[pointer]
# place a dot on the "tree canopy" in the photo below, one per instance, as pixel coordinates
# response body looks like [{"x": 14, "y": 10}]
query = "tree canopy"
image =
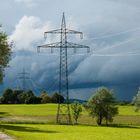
[
  {"x": 57, "y": 98},
  {"x": 5, "y": 52},
  {"x": 101, "y": 105}
]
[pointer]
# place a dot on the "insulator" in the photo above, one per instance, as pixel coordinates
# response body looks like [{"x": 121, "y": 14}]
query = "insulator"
[
  {"x": 81, "y": 35},
  {"x": 45, "y": 35},
  {"x": 74, "y": 50},
  {"x": 38, "y": 49},
  {"x": 88, "y": 50},
  {"x": 51, "y": 50}
]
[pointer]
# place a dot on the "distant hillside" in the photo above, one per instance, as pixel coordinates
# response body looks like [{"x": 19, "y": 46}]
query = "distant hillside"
[{"x": 78, "y": 100}]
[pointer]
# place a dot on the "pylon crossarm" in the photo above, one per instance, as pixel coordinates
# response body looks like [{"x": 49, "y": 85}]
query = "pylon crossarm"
[
  {"x": 51, "y": 45},
  {"x": 73, "y": 31},
  {"x": 74, "y": 45},
  {"x": 57, "y": 31},
  {"x": 23, "y": 77},
  {"x": 77, "y": 46},
  {"x": 24, "y": 73}
]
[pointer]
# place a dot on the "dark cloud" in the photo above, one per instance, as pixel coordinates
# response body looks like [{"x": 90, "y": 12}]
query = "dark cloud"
[{"x": 111, "y": 30}]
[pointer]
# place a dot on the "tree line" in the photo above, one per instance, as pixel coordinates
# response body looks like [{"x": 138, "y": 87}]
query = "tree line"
[
  {"x": 28, "y": 97},
  {"x": 102, "y": 105}
]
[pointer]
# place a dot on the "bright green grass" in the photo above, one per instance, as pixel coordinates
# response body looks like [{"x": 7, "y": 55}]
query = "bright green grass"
[
  {"x": 64, "y": 132},
  {"x": 128, "y": 110},
  {"x": 49, "y": 109},
  {"x": 47, "y": 112},
  {"x": 28, "y": 110}
]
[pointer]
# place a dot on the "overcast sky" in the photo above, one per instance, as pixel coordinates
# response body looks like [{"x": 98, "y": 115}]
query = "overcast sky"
[{"x": 111, "y": 28}]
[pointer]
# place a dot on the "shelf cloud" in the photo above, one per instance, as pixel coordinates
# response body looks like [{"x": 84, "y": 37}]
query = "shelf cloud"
[{"x": 111, "y": 30}]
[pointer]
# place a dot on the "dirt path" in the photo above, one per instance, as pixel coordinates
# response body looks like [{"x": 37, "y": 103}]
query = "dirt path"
[{"x": 4, "y": 136}]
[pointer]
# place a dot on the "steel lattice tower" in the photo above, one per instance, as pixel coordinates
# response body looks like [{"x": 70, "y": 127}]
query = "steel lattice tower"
[
  {"x": 23, "y": 76},
  {"x": 63, "y": 111}
]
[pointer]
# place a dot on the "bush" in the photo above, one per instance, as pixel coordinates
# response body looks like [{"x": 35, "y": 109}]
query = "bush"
[{"x": 76, "y": 110}]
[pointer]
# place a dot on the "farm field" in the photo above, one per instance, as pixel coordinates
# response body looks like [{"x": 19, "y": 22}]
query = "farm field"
[
  {"x": 45, "y": 113},
  {"x": 50, "y": 109},
  {"x": 64, "y": 132},
  {"x": 27, "y": 122}
]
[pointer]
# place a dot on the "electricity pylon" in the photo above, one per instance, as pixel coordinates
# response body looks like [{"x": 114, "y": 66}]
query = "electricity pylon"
[
  {"x": 23, "y": 76},
  {"x": 63, "y": 111}
]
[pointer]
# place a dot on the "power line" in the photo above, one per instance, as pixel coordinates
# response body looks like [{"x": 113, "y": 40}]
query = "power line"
[
  {"x": 116, "y": 34},
  {"x": 119, "y": 44},
  {"x": 116, "y": 55}
]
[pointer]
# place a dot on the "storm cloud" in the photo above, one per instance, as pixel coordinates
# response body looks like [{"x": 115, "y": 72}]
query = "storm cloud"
[{"x": 111, "y": 30}]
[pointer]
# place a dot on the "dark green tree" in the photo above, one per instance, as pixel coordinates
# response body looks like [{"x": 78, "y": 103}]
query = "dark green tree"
[
  {"x": 101, "y": 105},
  {"x": 8, "y": 97},
  {"x": 16, "y": 94},
  {"x": 76, "y": 110},
  {"x": 26, "y": 97},
  {"x": 5, "y": 53},
  {"x": 57, "y": 98},
  {"x": 19, "y": 97}
]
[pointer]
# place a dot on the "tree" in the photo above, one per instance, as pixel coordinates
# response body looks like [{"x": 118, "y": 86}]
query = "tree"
[
  {"x": 26, "y": 97},
  {"x": 8, "y": 96},
  {"x": 35, "y": 100},
  {"x": 136, "y": 101},
  {"x": 16, "y": 95},
  {"x": 45, "y": 98},
  {"x": 76, "y": 110},
  {"x": 5, "y": 53},
  {"x": 57, "y": 98},
  {"x": 101, "y": 105},
  {"x": 19, "y": 97}
]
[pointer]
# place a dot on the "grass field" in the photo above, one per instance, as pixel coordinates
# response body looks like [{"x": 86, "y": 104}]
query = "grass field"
[
  {"x": 50, "y": 109},
  {"x": 37, "y": 122},
  {"x": 45, "y": 113},
  {"x": 64, "y": 132}
]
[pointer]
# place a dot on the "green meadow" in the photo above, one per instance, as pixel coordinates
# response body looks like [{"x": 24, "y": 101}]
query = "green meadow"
[
  {"x": 50, "y": 109},
  {"x": 64, "y": 132},
  {"x": 37, "y": 122}
]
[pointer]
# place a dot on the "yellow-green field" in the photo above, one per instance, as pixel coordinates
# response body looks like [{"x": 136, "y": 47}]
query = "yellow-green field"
[
  {"x": 50, "y": 109},
  {"x": 64, "y": 132},
  {"x": 37, "y": 122}
]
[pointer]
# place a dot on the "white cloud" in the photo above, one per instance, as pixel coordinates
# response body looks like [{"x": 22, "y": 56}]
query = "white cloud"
[{"x": 28, "y": 32}]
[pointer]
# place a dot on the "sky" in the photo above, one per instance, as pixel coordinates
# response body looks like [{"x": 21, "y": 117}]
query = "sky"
[{"x": 111, "y": 29}]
